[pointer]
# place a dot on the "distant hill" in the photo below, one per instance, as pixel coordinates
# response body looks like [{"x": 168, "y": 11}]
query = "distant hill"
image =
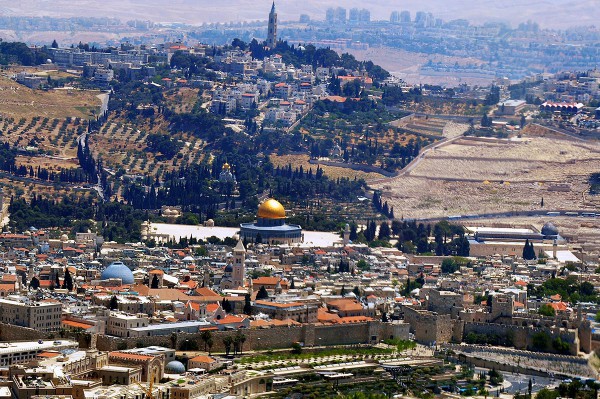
[{"x": 548, "y": 13}]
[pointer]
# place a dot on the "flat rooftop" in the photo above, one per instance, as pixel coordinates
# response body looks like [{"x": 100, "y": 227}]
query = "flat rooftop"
[
  {"x": 12, "y": 347},
  {"x": 512, "y": 103},
  {"x": 165, "y": 326},
  {"x": 116, "y": 368},
  {"x": 316, "y": 238},
  {"x": 504, "y": 230},
  {"x": 564, "y": 256}
]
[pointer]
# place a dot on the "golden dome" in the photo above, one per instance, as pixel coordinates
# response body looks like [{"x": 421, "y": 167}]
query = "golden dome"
[
  {"x": 271, "y": 209},
  {"x": 226, "y": 166}
]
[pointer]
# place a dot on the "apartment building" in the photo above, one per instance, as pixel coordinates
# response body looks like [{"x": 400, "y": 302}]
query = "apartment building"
[{"x": 42, "y": 316}]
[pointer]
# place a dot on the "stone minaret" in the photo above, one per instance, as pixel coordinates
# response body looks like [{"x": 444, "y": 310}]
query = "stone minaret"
[
  {"x": 346, "y": 236},
  {"x": 272, "y": 35}
]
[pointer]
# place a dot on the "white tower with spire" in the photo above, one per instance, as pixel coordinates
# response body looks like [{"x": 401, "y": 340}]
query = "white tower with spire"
[{"x": 272, "y": 35}]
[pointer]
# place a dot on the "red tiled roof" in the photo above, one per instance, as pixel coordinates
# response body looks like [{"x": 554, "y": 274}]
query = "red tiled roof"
[
  {"x": 336, "y": 99},
  {"x": 124, "y": 356},
  {"x": 212, "y": 307},
  {"x": 8, "y": 287},
  {"x": 205, "y": 291},
  {"x": 231, "y": 319},
  {"x": 77, "y": 324},
  {"x": 325, "y": 317},
  {"x": 345, "y": 305},
  {"x": 558, "y": 306}
]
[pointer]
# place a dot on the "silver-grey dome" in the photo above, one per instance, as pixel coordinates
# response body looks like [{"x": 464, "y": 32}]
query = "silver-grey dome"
[
  {"x": 175, "y": 367},
  {"x": 549, "y": 230}
]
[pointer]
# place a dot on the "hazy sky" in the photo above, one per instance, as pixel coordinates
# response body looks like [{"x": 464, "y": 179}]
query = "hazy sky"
[{"x": 549, "y": 13}]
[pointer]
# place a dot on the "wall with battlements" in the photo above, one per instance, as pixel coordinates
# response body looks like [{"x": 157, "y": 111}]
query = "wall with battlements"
[{"x": 272, "y": 338}]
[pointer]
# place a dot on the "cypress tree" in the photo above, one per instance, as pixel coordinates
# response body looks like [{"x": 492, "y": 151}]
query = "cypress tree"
[
  {"x": 114, "y": 303},
  {"x": 262, "y": 293},
  {"x": 68, "y": 281},
  {"x": 155, "y": 282},
  {"x": 247, "y": 305}
]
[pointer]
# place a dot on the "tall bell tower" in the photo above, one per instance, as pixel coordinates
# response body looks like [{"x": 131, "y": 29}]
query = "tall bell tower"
[
  {"x": 239, "y": 265},
  {"x": 272, "y": 35}
]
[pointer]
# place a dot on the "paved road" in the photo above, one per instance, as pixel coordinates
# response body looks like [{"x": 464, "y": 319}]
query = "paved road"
[
  {"x": 515, "y": 382},
  {"x": 539, "y": 212},
  {"x": 104, "y": 97}
]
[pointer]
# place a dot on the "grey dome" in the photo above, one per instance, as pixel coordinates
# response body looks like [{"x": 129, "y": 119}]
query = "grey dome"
[
  {"x": 175, "y": 367},
  {"x": 118, "y": 270},
  {"x": 549, "y": 230}
]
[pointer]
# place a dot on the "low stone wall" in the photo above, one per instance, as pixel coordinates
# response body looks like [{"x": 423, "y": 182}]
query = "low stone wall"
[
  {"x": 355, "y": 166},
  {"x": 502, "y": 366},
  {"x": 550, "y": 357},
  {"x": 514, "y": 360}
]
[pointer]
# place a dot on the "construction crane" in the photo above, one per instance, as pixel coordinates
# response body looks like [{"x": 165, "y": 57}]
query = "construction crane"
[{"x": 147, "y": 389}]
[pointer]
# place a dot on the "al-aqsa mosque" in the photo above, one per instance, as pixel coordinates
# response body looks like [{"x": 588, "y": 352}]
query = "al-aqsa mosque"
[{"x": 270, "y": 226}]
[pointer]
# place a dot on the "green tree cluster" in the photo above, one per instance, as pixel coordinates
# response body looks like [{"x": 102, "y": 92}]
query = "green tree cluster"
[{"x": 547, "y": 310}]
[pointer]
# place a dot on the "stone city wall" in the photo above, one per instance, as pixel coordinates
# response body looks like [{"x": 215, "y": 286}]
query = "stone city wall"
[
  {"x": 9, "y": 332},
  {"x": 523, "y": 336},
  {"x": 429, "y": 327},
  {"x": 268, "y": 338}
]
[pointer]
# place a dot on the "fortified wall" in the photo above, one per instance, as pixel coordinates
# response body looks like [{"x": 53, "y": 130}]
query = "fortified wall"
[
  {"x": 271, "y": 338},
  {"x": 429, "y": 327},
  {"x": 523, "y": 337},
  {"x": 9, "y": 332}
]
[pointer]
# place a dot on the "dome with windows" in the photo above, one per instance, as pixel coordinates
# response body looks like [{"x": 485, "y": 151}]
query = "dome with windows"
[
  {"x": 271, "y": 209},
  {"x": 118, "y": 270},
  {"x": 174, "y": 367}
]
